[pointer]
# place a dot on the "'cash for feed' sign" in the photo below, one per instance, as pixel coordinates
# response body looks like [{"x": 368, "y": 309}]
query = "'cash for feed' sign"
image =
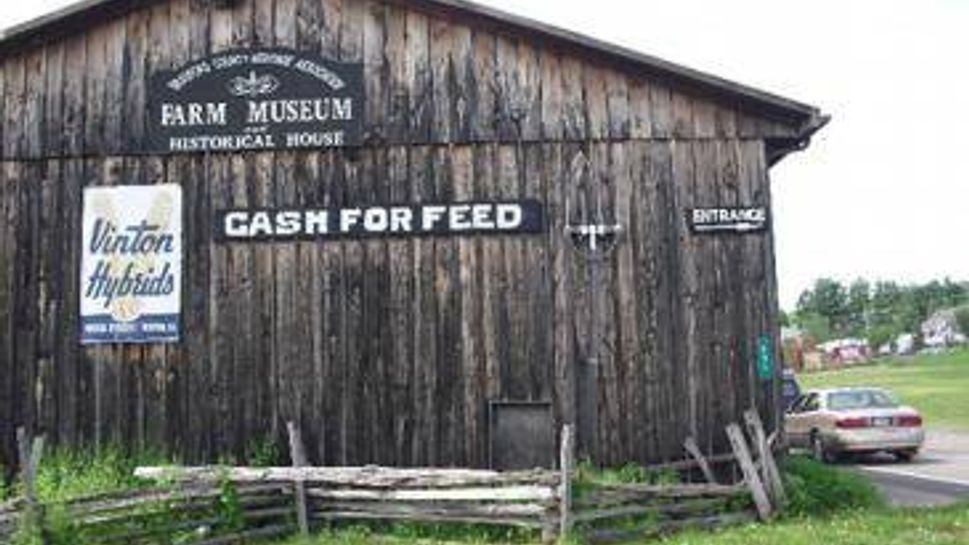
[{"x": 131, "y": 266}]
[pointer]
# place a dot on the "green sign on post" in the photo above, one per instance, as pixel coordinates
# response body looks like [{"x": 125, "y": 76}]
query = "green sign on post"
[{"x": 765, "y": 358}]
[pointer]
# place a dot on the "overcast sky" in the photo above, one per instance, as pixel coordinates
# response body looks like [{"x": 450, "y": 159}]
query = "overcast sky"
[{"x": 884, "y": 191}]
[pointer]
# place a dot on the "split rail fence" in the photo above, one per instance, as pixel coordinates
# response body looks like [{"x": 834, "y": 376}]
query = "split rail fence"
[{"x": 222, "y": 505}]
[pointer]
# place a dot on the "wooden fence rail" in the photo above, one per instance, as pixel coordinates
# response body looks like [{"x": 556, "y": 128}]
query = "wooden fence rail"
[{"x": 268, "y": 502}]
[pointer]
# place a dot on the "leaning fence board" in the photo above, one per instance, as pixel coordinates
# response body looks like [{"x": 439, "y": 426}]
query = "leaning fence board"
[
  {"x": 666, "y": 528},
  {"x": 150, "y": 510},
  {"x": 511, "y": 510},
  {"x": 668, "y": 510},
  {"x": 509, "y": 493},
  {"x": 362, "y": 477},
  {"x": 694, "y": 451},
  {"x": 751, "y": 477},
  {"x": 632, "y": 492},
  {"x": 351, "y": 515},
  {"x": 685, "y": 465},
  {"x": 772, "y": 475},
  {"x": 602, "y": 499},
  {"x": 128, "y": 500}
]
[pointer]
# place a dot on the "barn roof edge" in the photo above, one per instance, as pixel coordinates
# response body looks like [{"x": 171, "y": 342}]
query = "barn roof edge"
[{"x": 804, "y": 118}]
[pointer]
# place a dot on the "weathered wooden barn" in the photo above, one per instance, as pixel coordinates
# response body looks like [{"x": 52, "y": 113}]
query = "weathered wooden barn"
[{"x": 397, "y": 349}]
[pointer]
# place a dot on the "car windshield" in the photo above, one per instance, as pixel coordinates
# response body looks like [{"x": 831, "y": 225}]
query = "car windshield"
[{"x": 861, "y": 399}]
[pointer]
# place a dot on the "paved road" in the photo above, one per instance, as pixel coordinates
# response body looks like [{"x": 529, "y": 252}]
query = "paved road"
[{"x": 939, "y": 476}]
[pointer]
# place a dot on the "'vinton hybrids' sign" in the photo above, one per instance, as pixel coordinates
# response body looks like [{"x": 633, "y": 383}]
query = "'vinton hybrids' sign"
[
  {"x": 259, "y": 99},
  {"x": 131, "y": 266}
]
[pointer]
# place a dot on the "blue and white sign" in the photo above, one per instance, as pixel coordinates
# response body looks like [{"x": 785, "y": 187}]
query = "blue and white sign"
[{"x": 131, "y": 267}]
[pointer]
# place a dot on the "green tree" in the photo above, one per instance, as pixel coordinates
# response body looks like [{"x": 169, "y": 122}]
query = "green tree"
[
  {"x": 881, "y": 335},
  {"x": 880, "y": 311},
  {"x": 884, "y": 304},
  {"x": 955, "y": 294},
  {"x": 857, "y": 306},
  {"x": 815, "y": 326},
  {"x": 962, "y": 316},
  {"x": 784, "y": 319},
  {"x": 828, "y": 299}
]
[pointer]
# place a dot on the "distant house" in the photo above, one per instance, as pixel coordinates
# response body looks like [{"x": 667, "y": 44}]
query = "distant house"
[
  {"x": 942, "y": 330},
  {"x": 905, "y": 344},
  {"x": 846, "y": 351}
]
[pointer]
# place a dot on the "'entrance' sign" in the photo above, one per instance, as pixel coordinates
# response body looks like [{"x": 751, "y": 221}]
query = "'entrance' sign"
[
  {"x": 728, "y": 220},
  {"x": 457, "y": 219},
  {"x": 260, "y": 99},
  {"x": 131, "y": 266}
]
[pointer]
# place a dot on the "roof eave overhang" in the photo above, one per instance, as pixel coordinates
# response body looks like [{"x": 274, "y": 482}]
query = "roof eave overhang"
[
  {"x": 63, "y": 22},
  {"x": 780, "y": 148}
]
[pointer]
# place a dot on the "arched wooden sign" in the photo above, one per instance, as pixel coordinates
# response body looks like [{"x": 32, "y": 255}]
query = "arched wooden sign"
[{"x": 259, "y": 99}]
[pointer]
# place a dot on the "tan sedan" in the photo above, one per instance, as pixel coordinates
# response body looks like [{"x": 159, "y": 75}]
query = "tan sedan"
[{"x": 832, "y": 423}]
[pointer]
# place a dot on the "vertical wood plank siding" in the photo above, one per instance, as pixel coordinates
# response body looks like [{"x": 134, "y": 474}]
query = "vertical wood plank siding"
[{"x": 385, "y": 351}]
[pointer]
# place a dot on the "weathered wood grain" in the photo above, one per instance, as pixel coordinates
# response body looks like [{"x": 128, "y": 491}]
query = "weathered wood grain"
[
  {"x": 661, "y": 108},
  {"x": 53, "y": 121},
  {"x": 688, "y": 352},
  {"x": 386, "y": 351},
  {"x": 482, "y": 101},
  {"x": 33, "y": 112},
  {"x": 596, "y": 93},
  {"x": 751, "y": 477},
  {"x": 14, "y": 100},
  {"x": 709, "y": 399},
  {"x": 629, "y": 332}
]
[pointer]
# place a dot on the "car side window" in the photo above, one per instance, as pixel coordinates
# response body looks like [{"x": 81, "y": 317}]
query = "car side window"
[
  {"x": 798, "y": 404},
  {"x": 812, "y": 403}
]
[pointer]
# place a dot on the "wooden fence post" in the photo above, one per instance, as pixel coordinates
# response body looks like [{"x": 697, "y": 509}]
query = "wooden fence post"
[
  {"x": 769, "y": 469},
  {"x": 567, "y": 463},
  {"x": 297, "y": 454},
  {"x": 30, "y": 455},
  {"x": 739, "y": 444},
  {"x": 694, "y": 450}
]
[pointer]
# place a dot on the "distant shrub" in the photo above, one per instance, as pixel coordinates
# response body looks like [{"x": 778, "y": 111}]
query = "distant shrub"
[
  {"x": 880, "y": 336},
  {"x": 815, "y": 489},
  {"x": 587, "y": 473},
  {"x": 65, "y": 474}
]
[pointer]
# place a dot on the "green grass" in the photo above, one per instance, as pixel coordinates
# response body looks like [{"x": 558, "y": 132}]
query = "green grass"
[
  {"x": 416, "y": 534},
  {"x": 844, "y": 510},
  {"x": 936, "y": 385},
  {"x": 815, "y": 489},
  {"x": 66, "y": 474},
  {"x": 948, "y": 526}
]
